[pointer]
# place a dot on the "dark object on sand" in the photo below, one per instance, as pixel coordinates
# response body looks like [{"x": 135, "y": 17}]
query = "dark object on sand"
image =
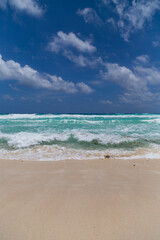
[{"x": 107, "y": 156}]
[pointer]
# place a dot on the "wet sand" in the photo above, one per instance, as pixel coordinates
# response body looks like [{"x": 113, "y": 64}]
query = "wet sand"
[{"x": 80, "y": 200}]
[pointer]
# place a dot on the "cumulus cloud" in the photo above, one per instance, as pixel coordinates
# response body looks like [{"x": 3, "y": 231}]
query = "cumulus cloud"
[
  {"x": 27, "y": 76},
  {"x": 133, "y": 15},
  {"x": 30, "y": 7},
  {"x": 142, "y": 59},
  {"x": 135, "y": 82},
  {"x": 121, "y": 75},
  {"x": 90, "y": 16},
  {"x": 65, "y": 41},
  {"x": 81, "y": 60},
  {"x": 150, "y": 74},
  {"x": 84, "y": 88},
  {"x": 74, "y": 49}
]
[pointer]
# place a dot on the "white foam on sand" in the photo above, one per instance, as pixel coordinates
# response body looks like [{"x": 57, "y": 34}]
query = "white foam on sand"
[
  {"x": 50, "y": 153},
  {"x": 57, "y": 153}
]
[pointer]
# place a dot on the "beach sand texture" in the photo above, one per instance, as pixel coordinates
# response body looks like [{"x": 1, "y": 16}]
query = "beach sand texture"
[{"x": 80, "y": 200}]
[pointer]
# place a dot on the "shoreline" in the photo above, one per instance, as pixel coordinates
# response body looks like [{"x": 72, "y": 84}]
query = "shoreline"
[{"x": 80, "y": 199}]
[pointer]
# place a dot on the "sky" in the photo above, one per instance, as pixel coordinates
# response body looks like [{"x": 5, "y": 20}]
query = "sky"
[{"x": 83, "y": 56}]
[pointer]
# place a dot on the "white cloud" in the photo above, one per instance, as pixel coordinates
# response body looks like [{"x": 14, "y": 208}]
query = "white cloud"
[
  {"x": 121, "y": 75},
  {"x": 142, "y": 59},
  {"x": 84, "y": 88},
  {"x": 27, "y": 76},
  {"x": 70, "y": 40},
  {"x": 90, "y": 16},
  {"x": 150, "y": 74},
  {"x": 81, "y": 60},
  {"x": 74, "y": 49},
  {"x": 133, "y": 81},
  {"x": 31, "y": 7},
  {"x": 134, "y": 15}
]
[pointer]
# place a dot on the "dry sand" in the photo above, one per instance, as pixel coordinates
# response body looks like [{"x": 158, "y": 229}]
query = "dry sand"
[{"x": 80, "y": 200}]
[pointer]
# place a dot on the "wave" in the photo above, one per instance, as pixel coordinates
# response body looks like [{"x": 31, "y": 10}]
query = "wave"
[
  {"x": 73, "y": 139},
  {"x": 43, "y": 116},
  {"x": 157, "y": 120}
]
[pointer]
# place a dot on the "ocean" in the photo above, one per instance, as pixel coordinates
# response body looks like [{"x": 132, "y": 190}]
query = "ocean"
[{"x": 54, "y": 137}]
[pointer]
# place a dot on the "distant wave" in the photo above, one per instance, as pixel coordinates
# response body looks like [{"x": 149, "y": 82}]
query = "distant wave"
[{"x": 42, "y": 116}]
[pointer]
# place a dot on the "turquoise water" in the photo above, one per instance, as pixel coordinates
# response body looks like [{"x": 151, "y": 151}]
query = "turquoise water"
[{"x": 67, "y": 136}]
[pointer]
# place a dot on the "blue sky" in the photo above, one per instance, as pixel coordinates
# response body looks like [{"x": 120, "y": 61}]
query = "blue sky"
[{"x": 99, "y": 56}]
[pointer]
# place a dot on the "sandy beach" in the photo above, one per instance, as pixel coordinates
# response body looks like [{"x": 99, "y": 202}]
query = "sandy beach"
[{"x": 68, "y": 200}]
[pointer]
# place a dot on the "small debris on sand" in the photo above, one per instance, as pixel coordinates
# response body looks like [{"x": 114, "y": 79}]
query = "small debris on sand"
[{"x": 107, "y": 156}]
